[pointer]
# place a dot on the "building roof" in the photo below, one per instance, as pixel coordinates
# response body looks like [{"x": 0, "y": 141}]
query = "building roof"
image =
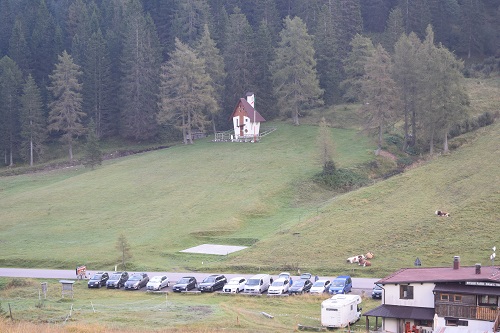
[
  {"x": 462, "y": 288},
  {"x": 249, "y": 110},
  {"x": 398, "y": 311},
  {"x": 442, "y": 274}
]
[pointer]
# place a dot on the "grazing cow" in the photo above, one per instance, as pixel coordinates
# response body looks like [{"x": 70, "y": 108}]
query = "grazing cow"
[
  {"x": 364, "y": 262},
  {"x": 354, "y": 259},
  {"x": 442, "y": 214},
  {"x": 369, "y": 255}
]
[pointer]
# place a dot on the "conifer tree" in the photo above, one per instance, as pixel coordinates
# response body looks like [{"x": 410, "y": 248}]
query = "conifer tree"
[
  {"x": 395, "y": 28},
  {"x": 406, "y": 75},
  {"x": 97, "y": 85},
  {"x": 124, "y": 248},
  {"x": 10, "y": 90},
  {"x": 93, "y": 153},
  {"x": 294, "y": 70},
  {"x": 140, "y": 65},
  {"x": 354, "y": 67},
  {"x": 443, "y": 97},
  {"x": 190, "y": 19},
  {"x": 325, "y": 45},
  {"x": 240, "y": 66},
  {"x": 381, "y": 95},
  {"x": 33, "y": 123},
  {"x": 326, "y": 148},
  {"x": 264, "y": 56},
  {"x": 66, "y": 114},
  {"x": 43, "y": 42},
  {"x": 185, "y": 92},
  {"x": 214, "y": 67},
  {"x": 18, "y": 47}
]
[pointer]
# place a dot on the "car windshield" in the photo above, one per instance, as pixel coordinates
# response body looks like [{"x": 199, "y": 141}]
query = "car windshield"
[
  {"x": 156, "y": 279},
  {"x": 253, "y": 282},
  {"x": 338, "y": 283},
  {"x": 209, "y": 279},
  {"x": 298, "y": 284},
  {"x": 319, "y": 284},
  {"x": 115, "y": 277},
  {"x": 234, "y": 281},
  {"x": 184, "y": 280},
  {"x": 96, "y": 277},
  {"x": 135, "y": 278},
  {"x": 278, "y": 283}
]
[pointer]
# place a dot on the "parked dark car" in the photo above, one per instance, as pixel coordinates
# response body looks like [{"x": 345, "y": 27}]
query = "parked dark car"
[
  {"x": 137, "y": 281},
  {"x": 212, "y": 283},
  {"x": 117, "y": 280},
  {"x": 301, "y": 286},
  {"x": 185, "y": 284},
  {"x": 98, "y": 280},
  {"x": 377, "y": 292}
]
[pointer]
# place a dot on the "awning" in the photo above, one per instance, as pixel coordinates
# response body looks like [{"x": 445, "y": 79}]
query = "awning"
[{"x": 401, "y": 312}]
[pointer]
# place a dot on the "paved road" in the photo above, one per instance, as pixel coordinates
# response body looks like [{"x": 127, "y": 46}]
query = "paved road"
[{"x": 359, "y": 284}]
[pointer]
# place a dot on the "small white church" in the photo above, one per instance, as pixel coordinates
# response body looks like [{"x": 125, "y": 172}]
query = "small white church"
[{"x": 246, "y": 120}]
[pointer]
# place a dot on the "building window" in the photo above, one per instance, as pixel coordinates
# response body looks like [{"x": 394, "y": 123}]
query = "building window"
[
  {"x": 445, "y": 297},
  {"x": 488, "y": 300},
  {"x": 406, "y": 292},
  {"x": 456, "y": 322},
  {"x": 427, "y": 323},
  {"x": 457, "y": 298}
]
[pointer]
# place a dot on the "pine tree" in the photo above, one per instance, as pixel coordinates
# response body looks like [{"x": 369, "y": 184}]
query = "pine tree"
[
  {"x": 66, "y": 114},
  {"x": 190, "y": 19},
  {"x": 33, "y": 123},
  {"x": 18, "y": 47},
  {"x": 43, "y": 42},
  {"x": 354, "y": 67},
  {"x": 93, "y": 153},
  {"x": 325, "y": 45},
  {"x": 185, "y": 92},
  {"x": 405, "y": 73},
  {"x": 10, "y": 90},
  {"x": 294, "y": 70},
  {"x": 141, "y": 62},
  {"x": 472, "y": 32},
  {"x": 381, "y": 96},
  {"x": 264, "y": 56},
  {"x": 240, "y": 66},
  {"x": 416, "y": 15},
  {"x": 214, "y": 66},
  {"x": 326, "y": 148},
  {"x": 443, "y": 99},
  {"x": 124, "y": 248},
  {"x": 395, "y": 28},
  {"x": 97, "y": 85}
]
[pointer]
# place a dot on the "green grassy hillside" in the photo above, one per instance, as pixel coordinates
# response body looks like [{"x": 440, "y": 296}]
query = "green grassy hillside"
[
  {"x": 258, "y": 195},
  {"x": 163, "y": 201}
]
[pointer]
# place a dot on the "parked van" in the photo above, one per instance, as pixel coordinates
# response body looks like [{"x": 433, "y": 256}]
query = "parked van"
[
  {"x": 341, "y": 285},
  {"x": 257, "y": 284},
  {"x": 340, "y": 310}
]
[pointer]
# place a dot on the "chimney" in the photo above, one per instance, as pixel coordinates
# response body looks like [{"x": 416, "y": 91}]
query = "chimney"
[
  {"x": 478, "y": 268},
  {"x": 456, "y": 262},
  {"x": 251, "y": 99}
]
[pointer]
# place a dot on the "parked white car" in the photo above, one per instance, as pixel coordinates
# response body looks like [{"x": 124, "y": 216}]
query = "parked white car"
[
  {"x": 235, "y": 285},
  {"x": 320, "y": 286},
  {"x": 279, "y": 286},
  {"x": 158, "y": 282}
]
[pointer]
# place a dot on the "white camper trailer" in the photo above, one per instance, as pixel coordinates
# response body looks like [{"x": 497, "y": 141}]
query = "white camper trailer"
[{"x": 340, "y": 310}]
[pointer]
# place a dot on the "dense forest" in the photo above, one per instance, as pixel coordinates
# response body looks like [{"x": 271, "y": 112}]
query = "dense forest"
[{"x": 146, "y": 70}]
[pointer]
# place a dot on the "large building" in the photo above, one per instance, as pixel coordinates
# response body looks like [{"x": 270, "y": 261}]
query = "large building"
[{"x": 451, "y": 299}]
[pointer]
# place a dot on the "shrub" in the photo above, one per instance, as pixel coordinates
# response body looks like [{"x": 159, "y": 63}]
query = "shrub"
[
  {"x": 485, "y": 119},
  {"x": 342, "y": 179}
]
